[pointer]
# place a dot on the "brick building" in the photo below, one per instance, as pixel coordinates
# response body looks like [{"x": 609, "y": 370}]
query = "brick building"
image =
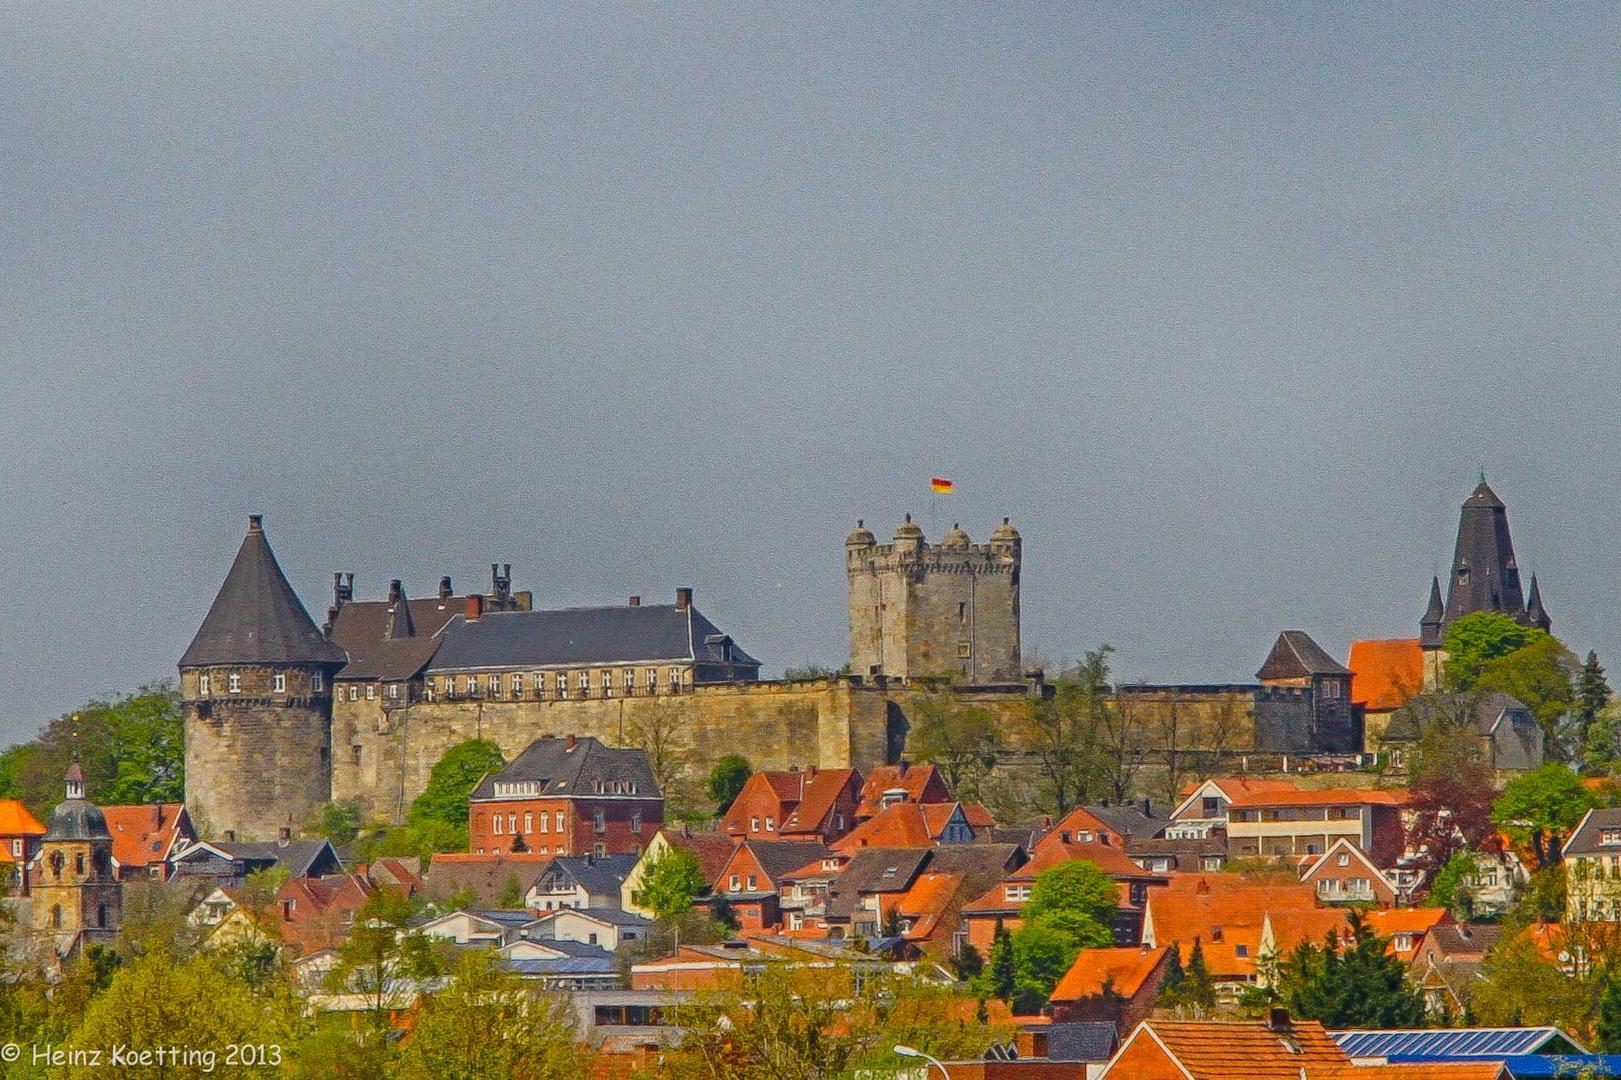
[
  {"x": 810, "y": 804},
  {"x": 568, "y": 796}
]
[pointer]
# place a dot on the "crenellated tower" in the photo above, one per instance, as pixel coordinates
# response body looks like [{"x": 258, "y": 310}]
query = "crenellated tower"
[
  {"x": 949, "y": 609},
  {"x": 256, "y": 693}
]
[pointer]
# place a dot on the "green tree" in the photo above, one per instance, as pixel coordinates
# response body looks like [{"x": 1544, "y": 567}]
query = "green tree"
[
  {"x": 1453, "y": 887},
  {"x": 1540, "y": 808},
  {"x": 511, "y": 898},
  {"x": 1595, "y": 727},
  {"x": 156, "y": 1002},
  {"x": 486, "y": 1025},
  {"x": 1538, "y": 674},
  {"x": 968, "y": 964},
  {"x": 1607, "y": 1020},
  {"x": 1543, "y": 898},
  {"x": 1199, "y": 988},
  {"x": 1451, "y": 785},
  {"x": 726, "y": 780},
  {"x": 451, "y": 783},
  {"x": 1173, "y": 985},
  {"x": 1518, "y": 985},
  {"x": 384, "y": 958},
  {"x": 1002, "y": 973},
  {"x": 1474, "y": 640},
  {"x": 672, "y": 884},
  {"x": 962, "y": 741},
  {"x": 1350, "y": 985},
  {"x": 1072, "y": 907},
  {"x": 338, "y": 821},
  {"x": 131, "y": 748},
  {"x": 1071, "y": 737}
]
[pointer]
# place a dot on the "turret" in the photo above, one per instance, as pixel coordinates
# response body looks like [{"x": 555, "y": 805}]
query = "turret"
[
  {"x": 1535, "y": 614},
  {"x": 75, "y": 892},
  {"x": 256, "y": 687},
  {"x": 1429, "y": 627},
  {"x": 908, "y": 538}
]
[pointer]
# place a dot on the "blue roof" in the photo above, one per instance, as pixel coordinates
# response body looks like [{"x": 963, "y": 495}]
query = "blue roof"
[
  {"x": 1528, "y": 1066},
  {"x": 569, "y": 965},
  {"x": 1450, "y": 1043}
]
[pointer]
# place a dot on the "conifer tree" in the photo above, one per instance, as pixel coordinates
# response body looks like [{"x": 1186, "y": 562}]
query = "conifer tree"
[
  {"x": 1592, "y": 696},
  {"x": 1199, "y": 988},
  {"x": 1003, "y": 972},
  {"x": 1173, "y": 987},
  {"x": 1607, "y": 1022}
]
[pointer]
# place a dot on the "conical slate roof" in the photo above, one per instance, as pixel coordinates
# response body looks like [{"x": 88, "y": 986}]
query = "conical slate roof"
[
  {"x": 1485, "y": 576},
  {"x": 257, "y": 618}
]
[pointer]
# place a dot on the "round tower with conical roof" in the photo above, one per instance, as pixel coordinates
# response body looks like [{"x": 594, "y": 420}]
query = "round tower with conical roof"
[
  {"x": 75, "y": 892},
  {"x": 947, "y": 609},
  {"x": 256, "y": 686}
]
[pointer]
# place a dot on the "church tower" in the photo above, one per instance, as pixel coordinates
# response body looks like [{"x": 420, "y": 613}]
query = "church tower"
[
  {"x": 1485, "y": 577},
  {"x": 76, "y": 896},
  {"x": 948, "y": 609},
  {"x": 255, "y": 688}
]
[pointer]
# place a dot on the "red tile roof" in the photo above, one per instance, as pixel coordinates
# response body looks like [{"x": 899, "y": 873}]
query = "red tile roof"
[
  {"x": 914, "y": 781},
  {"x": 1209, "y": 1050},
  {"x": 1384, "y": 674},
  {"x": 1124, "y": 970},
  {"x": 1323, "y": 797},
  {"x": 15, "y": 820},
  {"x": 141, "y": 834},
  {"x": 1412, "y": 1070},
  {"x": 711, "y": 849}
]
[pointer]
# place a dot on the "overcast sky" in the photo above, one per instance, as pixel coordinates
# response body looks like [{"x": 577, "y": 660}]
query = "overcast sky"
[{"x": 1225, "y": 308}]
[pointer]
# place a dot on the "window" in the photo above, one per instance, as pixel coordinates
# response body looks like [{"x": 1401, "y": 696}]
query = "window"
[
  {"x": 964, "y": 650},
  {"x": 317, "y": 682},
  {"x": 675, "y": 678},
  {"x": 1345, "y": 859},
  {"x": 543, "y": 821},
  {"x": 636, "y": 821},
  {"x": 517, "y": 684},
  {"x": 354, "y": 692},
  {"x": 770, "y": 823},
  {"x": 512, "y": 824},
  {"x": 470, "y": 684},
  {"x": 1016, "y": 893},
  {"x": 628, "y": 678},
  {"x": 607, "y": 683},
  {"x": 1212, "y": 806},
  {"x": 562, "y": 684},
  {"x": 754, "y": 824},
  {"x": 539, "y": 682},
  {"x": 236, "y": 683},
  {"x": 733, "y": 883},
  {"x": 394, "y": 691},
  {"x": 278, "y": 682},
  {"x": 1609, "y": 836},
  {"x": 528, "y": 821},
  {"x": 354, "y": 754},
  {"x": 754, "y": 883},
  {"x": 371, "y": 691},
  {"x": 600, "y": 821},
  {"x": 495, "y": 824},
  {"x": 1241, "y": 950},
  {"x": 584, "y": 683},
  {"x": 558, "y": 817},
  {"x": 962, "y": 613},
  {"x": 652, "y": 680},
  {"x": 202, "y": 685}
]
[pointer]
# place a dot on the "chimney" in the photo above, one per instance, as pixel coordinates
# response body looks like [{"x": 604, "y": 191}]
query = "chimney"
[
  {"x": 900, "y": 767},
  {"x": 635, "y": 601},
  {"x": 1147, "y": 806},
  {"x": 571, "y": 740},
  {"x": 500, "y": 582},
  {"x": 445, "y": 591},
  {"x": 1278, "y": 1020},
  {"x": 683, "y": 599},
  {"x": 395, "y": 591},
  {"x": 343, "y": 588},
  {"x": 256, "y": 523},
  {"x": 475, "y": 607}
]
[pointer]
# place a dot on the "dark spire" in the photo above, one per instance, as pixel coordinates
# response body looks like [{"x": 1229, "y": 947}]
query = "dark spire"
[
  {"x": 1535, "y": 614},
  {"x": 257, "y": 618},
  {"x": 1485, "y": 576},
  {"x": 1430, "y": 627},
  {"x": 399, "y": 613}
]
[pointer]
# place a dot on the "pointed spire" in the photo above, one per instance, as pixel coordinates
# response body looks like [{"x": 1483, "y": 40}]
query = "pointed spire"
[
  {"x": 1429, "y": 628},
  {"x": 257, "y": 618},
  {"x": 1535, "y": 614},
  {"x": 1485, "y": 575},
  {"x": 73, "y": 779},
  {"x": 399, "y": 613}
]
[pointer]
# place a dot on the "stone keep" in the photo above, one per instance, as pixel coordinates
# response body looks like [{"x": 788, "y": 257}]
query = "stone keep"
[
  {"x": 946, "y": 609},
  {"x": 255, "y": 689}
]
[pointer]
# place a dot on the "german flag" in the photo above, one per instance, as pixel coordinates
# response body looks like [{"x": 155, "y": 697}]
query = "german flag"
[{"x": 941, "y": 486}]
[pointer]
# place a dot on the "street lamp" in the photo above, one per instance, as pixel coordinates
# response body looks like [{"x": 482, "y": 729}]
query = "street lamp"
[{"x": 908, "y": 1052}]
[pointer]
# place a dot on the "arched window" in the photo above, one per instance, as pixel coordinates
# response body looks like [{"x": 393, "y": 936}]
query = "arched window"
[{"x": 78, "y": 863}]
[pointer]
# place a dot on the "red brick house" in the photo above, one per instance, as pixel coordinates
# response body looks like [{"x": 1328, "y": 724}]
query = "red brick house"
[
  {"x": 1276, "y": 1049},
  {"x": 755, "y": 876},
  {"x": 1345, "y": 875},
  {"x": 146, "y": 837},
  {"x": 570, "y": 796},
  {"x": 816, "y": 804},
  {"x": 1004, "y": 902}
]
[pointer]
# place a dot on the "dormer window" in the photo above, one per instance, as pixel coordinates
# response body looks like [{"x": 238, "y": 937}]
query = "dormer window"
[{"x": 1609, "y": 837}]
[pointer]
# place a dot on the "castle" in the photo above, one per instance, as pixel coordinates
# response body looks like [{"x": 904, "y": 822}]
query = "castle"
[{"x": 282, "y": 716}]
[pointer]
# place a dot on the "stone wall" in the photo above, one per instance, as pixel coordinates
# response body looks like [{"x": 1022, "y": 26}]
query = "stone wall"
[
  {"x": 383, "y": 757},
  {"x": 256, "y": 762}
]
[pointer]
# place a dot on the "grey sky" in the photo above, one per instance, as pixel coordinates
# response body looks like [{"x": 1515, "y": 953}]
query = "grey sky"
[{"x": 1224, "y": 307}]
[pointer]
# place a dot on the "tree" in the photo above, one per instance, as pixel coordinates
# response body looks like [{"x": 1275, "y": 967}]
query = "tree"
[
  {"x": 511, "y": 898},
  {"x": 1003, "y": 972},
  {"x": 672, "y": 883},
  {"x": 962, "y": 741},
  {"x": 1065, "y": 735},
  {"x": 726, "y": 780},
  {"x": 1543, "y": 898},
  {"x": 486, "y": 1025},
  {"x": 1451, "y": 803},
  {"x": 968, "y": 964},
  {"x": 131, "y": 748},
  {"x": 657, "y": 732},
  {"x": 450, "y": 785},
  {"x": 338, "y": 821},
  {"x": 1597, "y": 737},
  {"x": 157, "y": 1002},
  {"x": 1540, "y": 807},
  {"x": 1173, "y": 984},
  {"x": 1452, "y": 887},
  {"x": 1474, "y": 640},
  {"x": 1538, "y": 674},
  {"x": 1518, "y": 985},
  {"x": 383, "y": 959},
  {"x": 1072, "y": 907},
  {"x": 1350, "y": 985},
  {"x": 1607, "y": 1021},
  {"x": 1200, "y": 988}
]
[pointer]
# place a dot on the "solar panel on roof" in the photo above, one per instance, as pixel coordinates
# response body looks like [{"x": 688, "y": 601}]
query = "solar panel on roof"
[{"x": 1449, "y": 1043}]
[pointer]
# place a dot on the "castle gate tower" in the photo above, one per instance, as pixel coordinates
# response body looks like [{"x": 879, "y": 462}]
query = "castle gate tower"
[
  {"x": 255, "y": 688},
  {"x": 950, "y": 608}
]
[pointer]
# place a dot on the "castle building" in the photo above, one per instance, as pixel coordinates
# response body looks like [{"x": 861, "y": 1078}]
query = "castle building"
[
  {"x": 256, "y": 696},
  {"x": 1485, "y": 577},
  {"x": 77, "y": 898},
  {"x": 947, "y": 609},
  {"x": 567, "y": 796}
]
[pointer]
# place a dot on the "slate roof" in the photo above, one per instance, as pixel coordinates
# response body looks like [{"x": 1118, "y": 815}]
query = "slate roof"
[
  {"x": 586, "y": 635},
  {"x": 1485, "y": 575},
  {"x": 778, "y": 858},
  {"x": 562, "y": 770},
  {"x": 1471, "y": 940},
  {"x": 363, "y": 622},
  {"x": 485, "y": 875},
  {"x": 1585, "y": 840},
  {"x": 611, "y": 916},
  {"x": 298, "y": 856},
  {"x": 874, "y": 870},
  {"x": 256, "y": 618},
  {"x": 1085, "y": 1040},
  {"x": 1131, "y": 819},
  {"x": 390, "y": 660},
  {"x": 711, "y": 849},
  {"x": 596, "y": 874},
  {"x": 1295, "y": 655},
  {"x": 568, "y": 965},
  {"x": 1485, "y": 709}
]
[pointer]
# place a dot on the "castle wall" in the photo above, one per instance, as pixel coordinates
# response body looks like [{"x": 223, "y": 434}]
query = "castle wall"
[{"x": 383, "y": 758}]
